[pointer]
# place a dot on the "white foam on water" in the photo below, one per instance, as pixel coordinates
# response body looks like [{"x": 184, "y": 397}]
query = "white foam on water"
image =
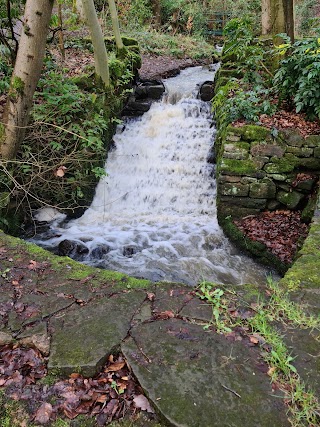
[{"x": 158, "y": 197}]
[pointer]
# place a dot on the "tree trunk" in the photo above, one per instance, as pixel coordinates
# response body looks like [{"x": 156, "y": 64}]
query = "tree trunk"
[
  {"x": 289, "y": 18},
  {"x": 273, "y": 17},
  {"x": 115, "y": 24},
  {"x": 61, "y": 40},
  {"x": 25, "y": 75},
  {"x": 156, "y": 10},
  {"x": 99, "y": 47},
  {"x": 265, "y": 17}
]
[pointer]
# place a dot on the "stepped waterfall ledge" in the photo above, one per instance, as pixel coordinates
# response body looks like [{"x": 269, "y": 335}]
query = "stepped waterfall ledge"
[{"x": 154, "y": 213}]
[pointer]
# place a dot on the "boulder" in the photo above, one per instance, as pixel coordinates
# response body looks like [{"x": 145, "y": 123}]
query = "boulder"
[
  {"x": 206, "y": 91},
  {"x": 73, "y": 249}
]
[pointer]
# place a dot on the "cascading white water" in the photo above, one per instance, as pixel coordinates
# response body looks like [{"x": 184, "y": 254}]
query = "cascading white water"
[{"x": 155, "y": 210}]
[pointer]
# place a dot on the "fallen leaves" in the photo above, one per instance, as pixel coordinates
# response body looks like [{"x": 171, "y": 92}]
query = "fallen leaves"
[
  {"x": 163, "y": 315},
  {"x": 20, "y": 366},
  {"x": 60, "y": 172},
  {"x": 291, "y": 120},
  {"x": 43, "y": 414},
  {"x": 279, "y": 231},
  {"x": 110, "y": 395},
  {"x": 141, "y": 402},
  {"x": 286, "y": 120}
]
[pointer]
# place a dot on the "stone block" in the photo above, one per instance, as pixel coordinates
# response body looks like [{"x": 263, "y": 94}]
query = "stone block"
[
  {"x": 237, "y": 167},
  {"x": 300, "y": 151},
  {"x": 227, "y": 210},
  {"x": 245, "y": 202},
  {"x": 317, "y": 152},
  {"x": 260, "y": 161},
  {"x": 251, "y": 132},
  {"x": 269, "y": 150},
  {"x": 238, "y": 151},
  {"x": 283, "y": 165},
  {"x": 289, "y": 199},
  {"x": 236, "y": 155},
  {"x": 248, "y": 180},
  {"x": 231, "y": 137},
  {"x": 313, "y": 141},
  {"x": 263, "y": 189},
  {"x": 277, "y": 177},
  {"x": 234, "y": 189},
  {"x": 273, "y": 205},
  {"x": 292, "y": 137},
  {"x": 310, "y": 163},
  {"x": 228, "y": 178}
]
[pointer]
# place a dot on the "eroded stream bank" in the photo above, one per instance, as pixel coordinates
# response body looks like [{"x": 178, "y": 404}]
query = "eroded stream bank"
[{"x": 154, "y": 213}]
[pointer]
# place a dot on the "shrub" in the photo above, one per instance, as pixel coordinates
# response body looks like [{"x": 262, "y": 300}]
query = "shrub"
[{"x": 297, "y": 80}]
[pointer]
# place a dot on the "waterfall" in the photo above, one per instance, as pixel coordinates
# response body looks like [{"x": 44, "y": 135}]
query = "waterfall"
[{"x": 154, "y": 213}]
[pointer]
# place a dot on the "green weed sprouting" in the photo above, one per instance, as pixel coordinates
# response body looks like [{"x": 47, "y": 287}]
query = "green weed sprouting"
[
  {"x": 304, "y": 407},
  {"x": 214, "y": 296}
]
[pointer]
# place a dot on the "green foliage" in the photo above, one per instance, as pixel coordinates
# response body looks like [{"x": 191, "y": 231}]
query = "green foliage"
[
  {"x": 249, "y": 52},
  {"x": 63, "y": 153},
  {"x": 306, "y": 17},
  {"x": 297, "y": 80},
  {"x": 249, "y": 97},
  {"x": 9, "y": 13},
  {"x": 5, "y": 69},
  {"x": 209, "y": 292},
  {"x": 180, "y": 46},
  {"x": 134, "y": 13},
  {"x": 184, "y": 17},
  {"x": 245, "y": 9}
]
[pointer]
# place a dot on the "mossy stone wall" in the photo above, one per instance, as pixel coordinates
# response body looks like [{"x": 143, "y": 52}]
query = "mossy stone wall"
[{"x": 257, "y": 171}]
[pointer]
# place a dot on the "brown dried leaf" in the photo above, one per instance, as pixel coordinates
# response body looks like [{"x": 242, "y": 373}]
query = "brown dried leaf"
[
  {"x": 141, "y": 402},
  {"x": 164, "y": 315},
  {"x": 254, "y": 340},
  {"x": 43, "y": 414},
  {"x": 60, "y": 172},
  {"x": 115, "y": 367}
]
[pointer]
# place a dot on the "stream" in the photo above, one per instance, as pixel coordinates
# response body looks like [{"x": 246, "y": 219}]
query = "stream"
[{"x": 154, "y": 213}]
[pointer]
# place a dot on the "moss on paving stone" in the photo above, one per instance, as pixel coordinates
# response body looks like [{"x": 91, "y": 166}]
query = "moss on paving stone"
[
  {"x": 84, "y": 337},
  {"x": 69, "y": 269},
  {"x": 186, "y": 377}
]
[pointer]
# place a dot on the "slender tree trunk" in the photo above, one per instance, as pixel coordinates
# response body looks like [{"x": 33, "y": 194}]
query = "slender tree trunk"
[
  {"x": 99, "y": 47},
  {"x": 265, "y": 17},
  {"x": 25, "y": 75},
  {"x": 115, "y": 24},
  {"x": 61, "y": 41},
  {"x": 273, "y": 17},
  {"x": 156, "y": 10},
  {"x": 289, "y": 18}
]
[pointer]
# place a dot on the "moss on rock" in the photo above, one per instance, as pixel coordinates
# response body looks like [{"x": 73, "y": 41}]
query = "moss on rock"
[
  {"x": 250, "y": 132},
  {"x": 237, "y": 167}
]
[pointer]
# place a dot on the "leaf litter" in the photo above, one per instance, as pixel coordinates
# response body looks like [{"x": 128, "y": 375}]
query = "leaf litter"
[
  {"x": 280, "y": 231},
  {"x": 110, "y": 395}
]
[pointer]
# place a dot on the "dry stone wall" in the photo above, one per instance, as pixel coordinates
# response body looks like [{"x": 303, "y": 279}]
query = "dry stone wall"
[{"x": 259, "y": 169}]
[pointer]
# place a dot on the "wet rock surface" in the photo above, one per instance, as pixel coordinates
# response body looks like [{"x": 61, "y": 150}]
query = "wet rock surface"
[{"x": 144, "y": 94}]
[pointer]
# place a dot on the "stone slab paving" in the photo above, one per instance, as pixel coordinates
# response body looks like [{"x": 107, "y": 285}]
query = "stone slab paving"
[
  {"x": 198, "y": 379},
  {"x": 77, "y": 315},
  {"x": 83, "y": 337}
]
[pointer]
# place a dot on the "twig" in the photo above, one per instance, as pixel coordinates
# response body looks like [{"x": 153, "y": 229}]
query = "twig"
[
  {"x": 265, "y": 68},
  {"x": 232, "y": 391}
]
